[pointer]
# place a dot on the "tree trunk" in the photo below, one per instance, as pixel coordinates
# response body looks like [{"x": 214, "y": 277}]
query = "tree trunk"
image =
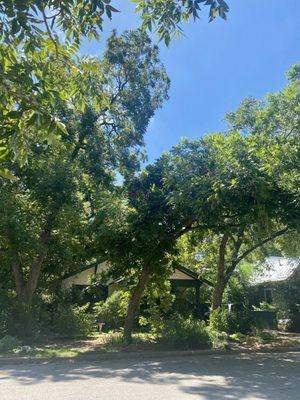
[
  {"x": 221, "y": 277},
  {"x": 134, "y": 304},
  {"x": 26, "y": 289},
  {"x": 19, "y": 282},
  {"x": 218, "y": 293}
]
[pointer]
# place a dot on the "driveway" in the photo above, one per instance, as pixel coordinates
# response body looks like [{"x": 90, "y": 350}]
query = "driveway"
[{"x": 215, "y": 377}]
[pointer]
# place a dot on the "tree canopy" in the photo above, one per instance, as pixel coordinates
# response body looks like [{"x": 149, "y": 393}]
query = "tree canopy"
[
  {"x": 238, "y": 187},
  {"x": 39, "y": 63},
  {"x": 28, "y": 20},
  {"x": 53, "y": 198}
]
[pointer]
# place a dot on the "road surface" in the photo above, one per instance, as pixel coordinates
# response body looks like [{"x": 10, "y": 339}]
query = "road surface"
[{"x": 215, "y": 377}]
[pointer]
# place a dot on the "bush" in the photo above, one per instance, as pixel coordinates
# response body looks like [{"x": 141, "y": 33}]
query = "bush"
[
  {"x": 264, "y": 306},
  {"x": 157, "y": 305},
  {"x": 230, "y": 322},
  {"x": 265, "y": 335},
  {"x": 9, "y": 343},
  {"x": 74, "y": 321},
  {"x": 15, "y": 318},
  {"x": 113, "y": 310},
  {"x": 294, "y": 320},
  {"x": 218, "y": 320},
  {"x": 238, "y": 337},
  {"x": 24, "y": 350},
  {"x": 21, "y": 320},
  {"x": 5, "y": 318},
  {"x": 185, "y": 333},
  {"x": 239, "y": 321},
  {"x": 218, "y": 339}
]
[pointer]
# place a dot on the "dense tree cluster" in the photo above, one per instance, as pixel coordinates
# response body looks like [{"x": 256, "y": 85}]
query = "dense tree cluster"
[{"x": 72, "y": 130}]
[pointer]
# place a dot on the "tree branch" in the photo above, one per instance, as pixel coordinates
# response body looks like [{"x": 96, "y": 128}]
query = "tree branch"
[
  {"x": 261, "y": 243},
  {"x": 49, "y": 32}
]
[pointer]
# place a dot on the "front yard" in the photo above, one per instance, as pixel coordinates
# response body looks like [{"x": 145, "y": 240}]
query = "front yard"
[{"x": 106, "y": 343}]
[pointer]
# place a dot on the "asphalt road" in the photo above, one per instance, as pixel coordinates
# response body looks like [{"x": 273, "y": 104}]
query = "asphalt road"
[{"x": 217, "y": 377}]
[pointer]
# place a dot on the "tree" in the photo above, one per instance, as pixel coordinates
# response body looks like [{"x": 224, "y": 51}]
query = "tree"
[
  {"x": 236, "y": 187},
  {"x": 54, "y": 197},
  {"x": 27, "y": 20},
  {"x": 271, "y": 131},
  {"x": 249, "y": 201},
  {"x": 31, "y": 49}
]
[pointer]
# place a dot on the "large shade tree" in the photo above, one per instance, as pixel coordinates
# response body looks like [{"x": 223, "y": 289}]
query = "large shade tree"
[
  {"x": 47, "y": 208},
  {"x": 237, "y": 187}
]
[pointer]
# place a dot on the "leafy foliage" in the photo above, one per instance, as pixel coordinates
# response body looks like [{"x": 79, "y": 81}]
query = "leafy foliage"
[
  {"x": 218, "y": 338},
  {"x": 185, "y": 333},
  {"x": 158, "y": 304},
  {"x": 44, "y": 229},
  {"x": 74, "y": 321},
  {"x": 119, "y": 93},
  {"x": 39, "y": 69},
  {"x": 237, "y": 191},
  {"x": 166, "y": 16},
  {"x": 29, "y": 20},
  {"x": 112, "y": 311},
  {"x": 9, "y": 343},
  {"x": 230, "y": 322}
]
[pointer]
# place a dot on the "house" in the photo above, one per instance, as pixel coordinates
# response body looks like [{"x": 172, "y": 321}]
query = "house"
[
  {"x": 277, "y": 278},
  {"x": 180, "y": 279},
  {"x": 276, "y": 285}
]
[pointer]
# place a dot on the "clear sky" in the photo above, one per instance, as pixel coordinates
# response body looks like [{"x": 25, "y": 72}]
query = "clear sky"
[{"x": 214, "y": 66}]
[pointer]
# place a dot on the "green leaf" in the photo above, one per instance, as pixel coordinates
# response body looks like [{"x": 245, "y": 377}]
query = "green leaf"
[{"x": 6, "y": 174}]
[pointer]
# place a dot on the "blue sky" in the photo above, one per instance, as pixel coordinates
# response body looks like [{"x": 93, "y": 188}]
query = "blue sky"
[{"x": 214, "y": 66}]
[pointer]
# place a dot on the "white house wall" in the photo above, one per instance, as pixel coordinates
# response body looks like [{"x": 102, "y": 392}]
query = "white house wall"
[
  {"x": 177, "y": 274},
  {"x": 83, "y": 277}
]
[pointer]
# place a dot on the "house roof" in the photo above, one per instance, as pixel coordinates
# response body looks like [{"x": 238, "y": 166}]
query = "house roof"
[
  {"x": 83, "y": 268},
  {"x": 187, "y": 271},
  {"x": 275, "y": 269},
  {"x": 95, "y": 266},
  {"x": 184, "y": 270}
]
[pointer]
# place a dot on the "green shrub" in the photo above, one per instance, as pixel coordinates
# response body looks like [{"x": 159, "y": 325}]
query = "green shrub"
[
  {"x": 294, "y": 320},
  {"x": 264, "y": 335},
  {"x": 185, "y": 333},
  {"x": 113, "y": 310},
  {"x": 264, "y": 306},
  {"x": 74, "y": 321},
  {"x": 4, "y": 321},
  {"x": 230, "y": 322},
  {"x": 238, "y": 337},
  {"x": 114, "y": 338},
  {"x": 24, "y": 350},
  {"x": 218, "y": 320},
  {"x": 157, "y": 305},
  {"x": 21, "y": 320},
  {"x": 239, "y": 321},
  {"x": 218, "y": 339},
  {"x": 9, "y": 343}
]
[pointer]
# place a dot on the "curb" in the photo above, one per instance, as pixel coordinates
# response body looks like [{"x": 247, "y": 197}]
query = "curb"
[{"x": 141, "y": 355}]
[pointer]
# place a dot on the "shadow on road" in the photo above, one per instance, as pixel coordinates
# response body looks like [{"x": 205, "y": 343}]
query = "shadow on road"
[{"x": 235, "y": 377}]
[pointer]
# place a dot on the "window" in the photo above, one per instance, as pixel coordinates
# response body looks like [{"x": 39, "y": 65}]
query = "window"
[{"x": 268, "y": 295}]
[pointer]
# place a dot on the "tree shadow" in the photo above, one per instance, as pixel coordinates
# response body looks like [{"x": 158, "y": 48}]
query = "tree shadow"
[{"x": 216, "y": 377}]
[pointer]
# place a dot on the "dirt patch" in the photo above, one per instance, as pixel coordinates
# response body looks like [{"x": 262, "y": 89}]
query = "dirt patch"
[{"x": 282, "y": 340}]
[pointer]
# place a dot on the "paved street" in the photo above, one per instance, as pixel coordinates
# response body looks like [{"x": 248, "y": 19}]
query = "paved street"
[{"x": 234, "y": 377}]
